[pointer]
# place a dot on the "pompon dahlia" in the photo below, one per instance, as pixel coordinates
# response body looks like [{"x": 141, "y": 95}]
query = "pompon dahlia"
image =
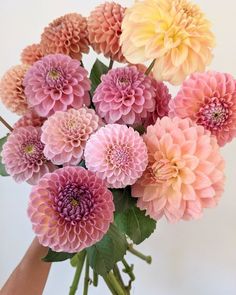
[
  {"x": 70, "y": 209},
  {"x": 66, "y": 133},
  {"x": 12, "y": 89},
  {"x": 185, "y": 173},
  {"x": 104, "y": 27},
  {"x": 31, "y": 54},
  {"x": 175, "y": 33},
  {"x": 23, "y": 155},
  {"x": 29, "y": 119},
  {"x": 209, "y": 99},
  {"x": 117, "y": 154},
  {"x": 162, "y": 99},
  {"x": 67, "y": 35},
  {"x": 56, "y": 83},
  {"x": 125, "y": 96}
]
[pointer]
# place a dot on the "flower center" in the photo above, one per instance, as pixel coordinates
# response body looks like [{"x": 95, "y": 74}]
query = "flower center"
[
  {"x": 32, "y": 151},
  {"x": 164, "y": 170},
  {"x": 55, "y": 78},
  {"x": 29, "y": 149},
  {"x": 54, "y": 74},
  {"x": 74, "y": 203},
  {"x": 123, "y": 81},
  {"x": 213, "y": 115},
  {"x": 119, "y": 156}
]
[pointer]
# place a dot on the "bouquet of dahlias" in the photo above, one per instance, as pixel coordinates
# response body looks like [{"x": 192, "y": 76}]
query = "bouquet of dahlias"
[{"x": 110, "y": 153}]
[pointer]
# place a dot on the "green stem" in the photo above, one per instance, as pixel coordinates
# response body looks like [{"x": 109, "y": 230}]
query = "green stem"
[
  {"x": 109, "y": 285},
  {"x": 86, "y": 278},
  {"x": 74, "y": 286},
  {"x": 148, "y": 259},
  {"x": 119, "y": 277},
  {"x": 129, "y": 270},
  {"x": 110, "y": 64},
  {"x": 5, "y": 123},
  {"x": 115, "y": 283},
  {"x": 148, "y": 71},
  {"x": 95, "y": 278}
]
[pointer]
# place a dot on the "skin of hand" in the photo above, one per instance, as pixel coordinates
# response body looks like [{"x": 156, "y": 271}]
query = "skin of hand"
[{"x": 30, "y": 276}]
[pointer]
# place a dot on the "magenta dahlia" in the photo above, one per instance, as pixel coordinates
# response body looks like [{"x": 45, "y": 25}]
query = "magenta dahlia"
[
  {"x": 125, "y": 96},
  {"x": 70, "y": 209},
  {"x": 23, "y": 155},
  {"x": 66, "y": 133},
  {"x": 55, "y": 83},
  {"x": 117, "y": 154},
  {"x": 29, "y": 119},
  {"x": 210, "y": 100}
]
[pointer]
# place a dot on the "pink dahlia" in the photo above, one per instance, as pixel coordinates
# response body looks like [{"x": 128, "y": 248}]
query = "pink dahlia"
[
  {"x": 117, "y": 154},
  {"x": 70, "y": 209},
  {"x": 210, "y": 100},
  {"x": 29, "y": 119},
  {"x": 104, "y": 27},
  {"x": 125, "y": 96},
  {"x": 162, "y": 99},
  {"x": 185, "y": 171},
  {"x": 23, "y": 155},
  {"x": 56, "y": 83},
  {"x": 66, "y": 133}
]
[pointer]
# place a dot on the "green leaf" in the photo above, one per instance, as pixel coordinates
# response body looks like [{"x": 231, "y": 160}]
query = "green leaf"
[
  {"x": 79, "y": 257},
  {"x": 105, "y": 254},
  {"x": 136, "y": 224},
  {"x": 123, "y": 199},
  {"x": 57, "y": 256},
  {"x": 2, "y": 167},
  {"x": 97, "y": 71}
]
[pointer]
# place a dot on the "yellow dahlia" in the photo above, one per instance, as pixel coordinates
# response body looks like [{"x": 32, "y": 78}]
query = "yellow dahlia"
[{"x": 173, "y": 32}]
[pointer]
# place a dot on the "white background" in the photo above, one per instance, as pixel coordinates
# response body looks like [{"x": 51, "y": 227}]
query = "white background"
[{"x": 194, "y": 258}]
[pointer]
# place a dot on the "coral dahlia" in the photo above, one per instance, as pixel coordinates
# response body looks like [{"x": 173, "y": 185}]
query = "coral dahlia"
[
  {"x": 117, "y": 154},
  {"x": 31, "y": 54},
  {"x": 70, "y": 209},
  {"x": 185, "y": 171}
]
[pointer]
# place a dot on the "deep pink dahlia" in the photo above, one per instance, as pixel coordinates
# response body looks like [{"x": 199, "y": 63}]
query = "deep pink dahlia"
[
  {"x": 23, "y": 155},
  {"x": 70, "y": 209},
  {"x": 125, "y": 96},
  {"x": 29, "y": 119},
  {"x": 162, "y": 99},
  {"x": 117, "y": 154},
  {"x": 210, "y": 100},
  {"x": 66, "y": 133},
  {"x": 55, "y": 83}
]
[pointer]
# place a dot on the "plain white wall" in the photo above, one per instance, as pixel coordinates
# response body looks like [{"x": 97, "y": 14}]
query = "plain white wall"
[{"x": 194, "y": 258}]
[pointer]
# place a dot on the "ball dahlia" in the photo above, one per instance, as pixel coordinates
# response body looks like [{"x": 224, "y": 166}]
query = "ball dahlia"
[
  {"x": 117, "y": 154},
  {"x": 29, "y": 119},
  {"x": 31, "y": 54},
  {"x": 104, "y": 27},
  {"x": 56, "y": 83},
  {"x": 12, "y": 89},
  {"x": 209, "y": 99},
  {"x": 66, "y": 133},
  {"x": 67, "y": 35},
  {"x": 174, "y": 33},
  {"x": 70, "y": 209},
  {"x": 23, "y": 155},
  {"x": 185, "y": 171},
  {"x": 125, "y": 96}
]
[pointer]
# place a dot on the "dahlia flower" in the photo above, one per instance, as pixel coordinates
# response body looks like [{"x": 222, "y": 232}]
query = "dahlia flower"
[
  {"x": 125, "y": 96},
  {"x": 185, "y": 171},
  {"x": 66, "y": 133},
  {"x": 174, "y": 33},
  {"x": 12, "y": 89},
  {"x": 56, "y": 83},
  {"x": 117, "y": 154},
  {"x": 162, "y": 99},
  {"x": 209, "y": 99},
  {"x": 23, "y": 155},
  {"x": 67, "y": 35},
  {"x": 70, "y": 209},
  {"x": 31, "y": 54},
  {"x": 29, "y": 119},
  {"x": 104, "y": 27}
]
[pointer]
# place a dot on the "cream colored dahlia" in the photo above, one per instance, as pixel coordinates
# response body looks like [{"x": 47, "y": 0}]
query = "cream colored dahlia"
[{"x": 174, "y": 32}]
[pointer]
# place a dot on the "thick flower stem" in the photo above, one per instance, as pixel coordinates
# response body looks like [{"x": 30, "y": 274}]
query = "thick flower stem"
[
  {"x": 148, "y": 71},
  {"x": 74, "y": 286},
  {"x": 140, "y": 255},
  {"x": 6, "y": 124},
  {"x": 115, "y": 284},
  {"x": 119, "y": 278},
  {"x": 86, "y": 278},
  {"x": 110, "y": 64},
  {"x": 129, "y": 270},
  {"x": 95, "y": 279},
  {"x": 110, "y": 286}
]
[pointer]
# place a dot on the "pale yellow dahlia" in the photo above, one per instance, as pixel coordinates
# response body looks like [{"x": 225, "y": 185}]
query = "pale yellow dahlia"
[{"x": 173, "y": 32}]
